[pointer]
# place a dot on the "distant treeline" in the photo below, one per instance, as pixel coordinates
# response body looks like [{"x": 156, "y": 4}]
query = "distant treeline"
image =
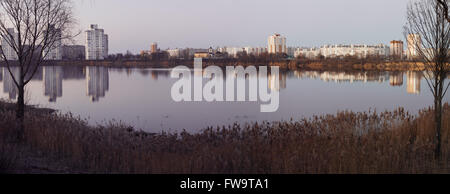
[{"x": 283, "y": 61}]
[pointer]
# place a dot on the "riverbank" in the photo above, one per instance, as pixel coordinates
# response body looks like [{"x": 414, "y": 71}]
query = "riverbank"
[
  {"x": 293, "y": 64},
  {"x": 347, "y": 142}
]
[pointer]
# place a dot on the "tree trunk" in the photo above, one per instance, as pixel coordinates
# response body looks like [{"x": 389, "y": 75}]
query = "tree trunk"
[
  {"x": 20, "y": 114},
  {"x": 440, "y": 80},
  {"x": 438, "y": 121}
]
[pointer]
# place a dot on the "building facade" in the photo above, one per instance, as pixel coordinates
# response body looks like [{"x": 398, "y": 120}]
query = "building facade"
[
  {"x": 7, "y": 49},
  {"x": 234, "y": 51},
  {"x": 55, "y": 52},
  {"x": 414, "y": 44},
  {"x": 397, "y": 49},
  {"x": 174, "y": 53},
  {"x": 291, "y": 51},
  {"x": 256, "y": 51},
  {"x": 335, "y": 51},
  {"x": 154, "y": 47},
  {"x": 96, "y": 43},
  {"x": 202, "y": 55},
  {"x": 277, "y": 44},
  {"x": 309, "y": 53},
  {"x": 73, "y": 52}
]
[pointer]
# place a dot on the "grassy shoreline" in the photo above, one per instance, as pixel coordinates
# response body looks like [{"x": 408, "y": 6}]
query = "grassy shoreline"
[
  {"x": 347, "y": 142},
  {"x": 293, "y": 64}
]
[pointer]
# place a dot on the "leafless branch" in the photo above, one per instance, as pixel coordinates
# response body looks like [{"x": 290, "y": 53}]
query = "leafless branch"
[
  {"x": 29, "y": 30},
  {"x": 428, "y": 34},
  {"x": 38, "y": 25},
  {"x": 444, "y": 4}
]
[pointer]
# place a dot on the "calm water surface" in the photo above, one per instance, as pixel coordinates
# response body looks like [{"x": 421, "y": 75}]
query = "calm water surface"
[{"x": 142, "y": 98}]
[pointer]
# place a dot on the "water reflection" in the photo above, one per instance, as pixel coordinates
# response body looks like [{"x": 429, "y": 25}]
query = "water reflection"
[
  {"x": 281, "y": 84},
  {"x": 396, "y": 78},
  {"x": 158, "y": 73},
  {"x": 97, "y": 81},
  {"x": 414, "y": 78},
  {"x": 74, "y": 73},
  {"x": 141, "y": 97},
  {"x": 9, "y": 86},
  {"x": 338, "y": 77},
  {"x": 53, "y": 80}
]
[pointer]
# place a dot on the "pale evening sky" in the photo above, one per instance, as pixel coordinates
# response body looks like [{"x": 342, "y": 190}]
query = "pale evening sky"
[{"x": 134, "y": 24}]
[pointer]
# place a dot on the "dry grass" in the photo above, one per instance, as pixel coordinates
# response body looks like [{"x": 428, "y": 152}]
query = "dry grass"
[
  {"x": 388, "y": 142},
  {"x": 8, "y": 150},
  {"x": 8, "y": 156}
]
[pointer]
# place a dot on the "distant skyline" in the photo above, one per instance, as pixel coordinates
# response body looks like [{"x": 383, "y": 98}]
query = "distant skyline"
[{"x": 134, "y": 24}]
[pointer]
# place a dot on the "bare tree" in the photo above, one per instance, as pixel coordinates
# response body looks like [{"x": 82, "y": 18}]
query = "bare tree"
[
  {"x": 428, "y": 35},
  {"x": 444, "y": 4},
  {"x": 29, "y": 30}
]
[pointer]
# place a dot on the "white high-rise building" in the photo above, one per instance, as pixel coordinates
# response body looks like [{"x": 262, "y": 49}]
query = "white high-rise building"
[
  {"x": 277, "y": 44},
  {"x": 414, "y": 44},
  {"x": 96, "y": 43},
  {"x": 9, "y": 52},
  {"x": 55, "y": 52}
]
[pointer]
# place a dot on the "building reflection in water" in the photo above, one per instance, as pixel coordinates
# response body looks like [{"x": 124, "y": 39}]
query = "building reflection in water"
[
  {"x": 53, "y": 80},
  {"x": 329, "y": 76},
  {"x": 38, "y": 76},
  {"x": 9, "y": 86},
  {"x": 129, "y": 72},
  {"x": 154, "y": 75},
  {"x": 74, "y": 73},
  {"x": 97, "y": 80},
  {"x": 281, "y": 84},
  {"x": 246, "y": 77},
  {"x": 157, "y": 73},
  {"x": 413, "y": 85},
  {"x": 396, "y": 78}
]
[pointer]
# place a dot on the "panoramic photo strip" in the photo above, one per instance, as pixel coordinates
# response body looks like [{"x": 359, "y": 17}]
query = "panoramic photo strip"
[{"x": 224, "y": 95}]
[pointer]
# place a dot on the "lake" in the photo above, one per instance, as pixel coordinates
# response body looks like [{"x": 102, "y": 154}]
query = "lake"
[{"x": 141, "y": 97}]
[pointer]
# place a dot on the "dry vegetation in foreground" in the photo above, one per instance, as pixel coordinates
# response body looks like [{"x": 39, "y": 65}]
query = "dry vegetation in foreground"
[{"x": 387, "y": 142}]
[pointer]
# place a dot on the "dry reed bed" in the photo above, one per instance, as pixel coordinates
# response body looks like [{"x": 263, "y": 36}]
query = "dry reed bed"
[{"x": 387, "y": 142}]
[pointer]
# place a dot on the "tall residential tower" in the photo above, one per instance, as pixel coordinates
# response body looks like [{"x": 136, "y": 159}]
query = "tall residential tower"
[
  {"x": 96, "y": 43},
  {"x": 55, "y": 52},
  {"x": 414, "y": 44},
  {"x": 277, "y": 44}
]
